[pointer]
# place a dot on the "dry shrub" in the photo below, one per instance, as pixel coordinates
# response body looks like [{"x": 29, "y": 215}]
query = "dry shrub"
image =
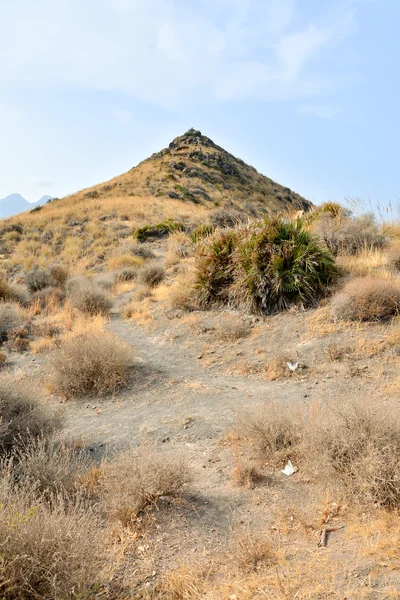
[
  {"x": 18, "y": 339},
  {"x": 59, "y": 274},
  {"x": 151, "y": 274},
  {"x": 359, "y": 445},
  {"x": 10, "y": 318},
  {"x": 344, "y": 234},
  {"x": 275, "y": 431},
  {"x": 38, "y": 278},
  {"x": 232, "y": 328},
  {"x": 126, "y": 274},
  {"x": 254, "y": 551},
  {"x": 49, "y": 465},
  {"x": 138, "y": 478},
  {"x": 246, "y": 474},
  {"x": 181, "y": 293},
  {"x": 179, "y": 247},
  {"x": 49, "y": 298},
  {"x": 277, "y": 368},
  {"x": 13, "y": 292},
  {"x": 393, "y": 258},
  {"x": 106, "y": 281},
  {"x": 367, "y": 299},
  {"x": 88, "y": 297},
  {"x": 48, "y": 550},
  {"x": 91, "y": 363},
  {"x": 22, "y": 416},
  {"x": 354, "y": 447},
  {"x": 124, "y": 260},
  {"x": 336, "y": 352}
]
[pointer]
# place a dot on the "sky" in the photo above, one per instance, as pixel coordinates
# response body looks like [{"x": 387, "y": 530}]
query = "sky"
[{"x": 307, "y": 91}]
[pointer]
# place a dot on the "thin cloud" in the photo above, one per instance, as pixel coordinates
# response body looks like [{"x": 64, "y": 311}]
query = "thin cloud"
[{"x": 168, "y": 53}]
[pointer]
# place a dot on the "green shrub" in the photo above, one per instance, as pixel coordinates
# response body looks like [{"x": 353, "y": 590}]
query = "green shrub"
[
  {"x": 201, "y": 232},
  {"x": 158, "y": 230},
  {"x": 264, "y": 267},
  {"x": 215, "y": 267}
]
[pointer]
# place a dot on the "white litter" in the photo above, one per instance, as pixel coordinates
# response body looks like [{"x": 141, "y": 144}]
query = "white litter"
[
  {"x": 293, "y": 366},
  {"x": 289, "y": 469}
]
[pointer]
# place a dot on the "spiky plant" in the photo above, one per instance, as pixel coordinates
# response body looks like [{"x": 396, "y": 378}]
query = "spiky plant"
[
  {"x": 214, "y": 267},
  {"x": 264, "y": 267}
]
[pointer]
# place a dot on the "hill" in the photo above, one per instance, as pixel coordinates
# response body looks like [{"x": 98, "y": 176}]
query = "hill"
[
  {"x": 186, "y": 182},
  {"x": 13, "y": 204}
]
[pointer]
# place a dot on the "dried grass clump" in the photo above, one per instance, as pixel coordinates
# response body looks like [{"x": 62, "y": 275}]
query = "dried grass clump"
[
  {"x": 393, "y": 258},
  {"x": 232, "y": 328},
  {"x": 275, "y": 431},
  {"x": 10, "y": 318},
  {"x": 38, "y": 278},
  {"x": 22, "y": 416},
  {"x": 90, "y": 363},
  {"x": 126, "y": 274},
  {"x": 13, "y": 292},
  {"x": 344, "y": 234},
  {"x": 181, "y": 294},
  {"x": 50, "y": 466},
  {"x": 138, "y": 478},
  {"x": 59, "y": 274},
  {"x": 254, "y": 551},
  {"x": 88, "y": 297},
  {"x": 367, "y": 299},
  {"x": 353, "y": 447},
  {"x": 359, "y": 445},
  {"x": 151, "y": 275},
  {"x": 47, "y": 549}
]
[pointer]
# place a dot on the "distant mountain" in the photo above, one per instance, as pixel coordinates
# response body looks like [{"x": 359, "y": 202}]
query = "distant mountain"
[{"x": 15, "y": 204}]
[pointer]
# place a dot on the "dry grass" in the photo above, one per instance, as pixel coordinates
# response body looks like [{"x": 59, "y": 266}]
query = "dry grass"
[
  {"x": 151, "y": 274},
  {"x": 10, "y": 317},
  {"x": 354, "y": 446},
  {"x": 275, "y": 431},
  {"x": 22, "y": 416},
  {"x": 232, "y": 327},
  {"x": 254, "y": 552},
  {"x": 246, "y": 474},
  {"x": 137, "y": 478},
  {"x": 93, "y": 363},
  {"x": 48, "y": 550},
  {"x": 277, "y": 368},
  {"x": 50, "y": 466},
  {"x": 367, "y": 299},
  {"x": 367, "y": 262},
  {"x": 88, "y": 297}
]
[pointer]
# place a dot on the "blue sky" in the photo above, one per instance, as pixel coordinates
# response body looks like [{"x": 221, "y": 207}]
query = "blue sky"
[{"x": 307, "y": 91}]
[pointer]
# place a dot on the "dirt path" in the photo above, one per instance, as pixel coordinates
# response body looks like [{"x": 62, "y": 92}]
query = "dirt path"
[{"x": 171, "y": 396}]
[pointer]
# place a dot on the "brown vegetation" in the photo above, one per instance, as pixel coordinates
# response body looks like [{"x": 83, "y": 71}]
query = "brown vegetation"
[
  {"x": 367, "y": 299},
  {"x": 90, "y": 363}
]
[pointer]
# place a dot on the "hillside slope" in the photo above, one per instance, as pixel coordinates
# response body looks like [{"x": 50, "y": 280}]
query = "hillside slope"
[{"x": 186, "y": 181}]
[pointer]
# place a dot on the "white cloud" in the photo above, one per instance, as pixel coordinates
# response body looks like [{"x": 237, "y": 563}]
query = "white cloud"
[{"x": 168, "y": 52}]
